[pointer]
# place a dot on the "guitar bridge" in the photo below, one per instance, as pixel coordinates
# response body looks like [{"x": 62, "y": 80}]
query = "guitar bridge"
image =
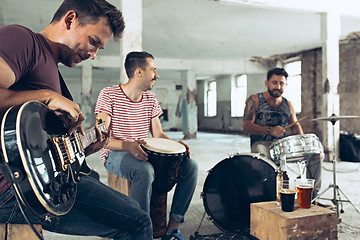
[{"x": 64, "y": 150}]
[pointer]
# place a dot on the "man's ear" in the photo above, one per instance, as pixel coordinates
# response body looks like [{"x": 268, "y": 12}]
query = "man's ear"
[
  {"x": 70, "y": 17},
  {"x": 266, "y": 83},
  {"x": 138, "y": 72}
]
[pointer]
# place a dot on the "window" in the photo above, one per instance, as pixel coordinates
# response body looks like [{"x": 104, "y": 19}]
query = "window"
[
  {"x": 210, "y": 98},
  {"x": 238, "y": 95},
  {"x": 293, "y": 88}
]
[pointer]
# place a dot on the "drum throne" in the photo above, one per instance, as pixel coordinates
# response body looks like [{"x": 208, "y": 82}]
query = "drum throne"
[{"x": 157, "y": 204}]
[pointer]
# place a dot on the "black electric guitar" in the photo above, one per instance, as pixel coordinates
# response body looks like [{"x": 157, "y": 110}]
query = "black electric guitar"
[{"x": 42, "y": 161}]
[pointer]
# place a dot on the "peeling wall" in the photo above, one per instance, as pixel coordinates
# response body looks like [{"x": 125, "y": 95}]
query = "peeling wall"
[
  {"x": 348, "y": 88},
  {"x": 312, "y": 90},
  {"x": 189, "y": 115}
]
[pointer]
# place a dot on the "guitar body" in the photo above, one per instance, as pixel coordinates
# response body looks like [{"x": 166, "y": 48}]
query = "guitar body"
[{"x": 34, "y": 144}]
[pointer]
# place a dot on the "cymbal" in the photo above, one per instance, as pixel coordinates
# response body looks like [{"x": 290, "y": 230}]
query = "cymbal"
[{"x": 333, "y": 118}]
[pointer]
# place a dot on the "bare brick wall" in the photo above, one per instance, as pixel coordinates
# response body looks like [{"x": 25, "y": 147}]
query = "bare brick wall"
[
  {"x": 348, "y": 88},
  {"x": 311, "y": 91}
]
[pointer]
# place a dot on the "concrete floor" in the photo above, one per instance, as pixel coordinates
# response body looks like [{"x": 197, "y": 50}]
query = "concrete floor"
[{"x": 211, "y": 148}]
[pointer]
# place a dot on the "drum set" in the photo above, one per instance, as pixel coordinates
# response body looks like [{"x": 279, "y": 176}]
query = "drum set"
[{"x": 236, "y": 182}]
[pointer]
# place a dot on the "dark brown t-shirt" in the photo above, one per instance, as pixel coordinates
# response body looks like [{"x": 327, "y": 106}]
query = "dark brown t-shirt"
[{"x": 30, "y": 57}]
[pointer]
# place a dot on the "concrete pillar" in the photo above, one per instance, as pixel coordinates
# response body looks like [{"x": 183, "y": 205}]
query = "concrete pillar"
[
  {"x": 86, "y": 92},
  {"x": 330, "y": 33},
  {"x": 132, "y": 39},
  {"x": 189, "y": 108}
]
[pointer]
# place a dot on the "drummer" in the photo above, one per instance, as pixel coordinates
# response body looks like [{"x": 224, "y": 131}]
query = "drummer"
[
  {"x": 133, "y": 112},
  {"x": 267, "y": 114}
]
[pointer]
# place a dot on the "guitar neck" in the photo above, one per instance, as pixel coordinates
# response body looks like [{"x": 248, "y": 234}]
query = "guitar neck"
[{"x": 90, "y": 135}]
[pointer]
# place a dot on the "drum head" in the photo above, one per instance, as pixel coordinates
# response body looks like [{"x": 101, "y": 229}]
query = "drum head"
[
  {"x": 162, "y": 145},
  {"x": 233, "y": 184}
]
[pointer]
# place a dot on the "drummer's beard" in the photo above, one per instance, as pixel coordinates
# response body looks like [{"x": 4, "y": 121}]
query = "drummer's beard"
[{"x": 275, "y": 93}]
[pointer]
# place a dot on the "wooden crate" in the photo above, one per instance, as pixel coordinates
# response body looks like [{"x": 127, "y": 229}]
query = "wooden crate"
[
  {"x": 157, "y": 204},
  {"x": 118, "y": 183},
  {"x": 269, "y": 222},
  {"x": 18, "y": 231}
]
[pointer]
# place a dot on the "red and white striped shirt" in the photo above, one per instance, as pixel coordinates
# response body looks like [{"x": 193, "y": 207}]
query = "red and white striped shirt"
[{"x": 129, "y": 120}]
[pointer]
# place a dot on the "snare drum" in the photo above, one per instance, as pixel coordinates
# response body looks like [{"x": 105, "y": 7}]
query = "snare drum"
[
  {"x": 296, "y": 147},
  {"x": 233, "y": 184},
  {"x": 166, "y": 157}
]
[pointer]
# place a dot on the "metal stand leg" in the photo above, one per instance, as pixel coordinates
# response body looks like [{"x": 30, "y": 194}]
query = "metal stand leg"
[
  {"x": 302, "y": 168},
  {"x": 196, "y": 234},
  {"x": 336, "y": 189}
]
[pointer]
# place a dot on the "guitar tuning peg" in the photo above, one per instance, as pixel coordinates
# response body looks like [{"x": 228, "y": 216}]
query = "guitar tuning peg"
[{"x": 99, "y": 120}]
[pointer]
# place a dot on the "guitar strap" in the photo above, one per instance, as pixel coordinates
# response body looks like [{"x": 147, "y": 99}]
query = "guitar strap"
[
  {"x": 64, "y": 89},
  {"x": 85, "y": 169}
]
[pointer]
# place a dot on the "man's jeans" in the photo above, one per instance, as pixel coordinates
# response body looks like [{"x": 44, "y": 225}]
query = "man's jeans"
[
  {"x": 141, "y": 174},
  {"x": 98, "y": 211}
]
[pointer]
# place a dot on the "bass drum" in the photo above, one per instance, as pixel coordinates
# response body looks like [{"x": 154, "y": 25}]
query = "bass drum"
[{"x": 233, "y": 184}]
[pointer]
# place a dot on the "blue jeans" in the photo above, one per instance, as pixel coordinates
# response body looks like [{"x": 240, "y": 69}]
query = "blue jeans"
[
  {"x": 141, "y": 174},
  {"x": 98, "y": 211}
]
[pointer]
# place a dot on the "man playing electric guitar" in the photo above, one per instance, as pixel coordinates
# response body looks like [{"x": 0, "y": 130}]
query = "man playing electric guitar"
[{"x": 29, "y": 71}]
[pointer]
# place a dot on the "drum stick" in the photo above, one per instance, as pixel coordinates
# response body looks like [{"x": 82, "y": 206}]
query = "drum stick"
[{"x": 296, "y": 122}]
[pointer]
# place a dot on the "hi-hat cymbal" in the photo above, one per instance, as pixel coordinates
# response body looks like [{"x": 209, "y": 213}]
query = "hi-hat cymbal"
[{"x": 333, "y": 118}]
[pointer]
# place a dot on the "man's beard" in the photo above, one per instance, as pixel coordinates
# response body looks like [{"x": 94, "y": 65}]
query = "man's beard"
[{"x": 274, "y": 92}]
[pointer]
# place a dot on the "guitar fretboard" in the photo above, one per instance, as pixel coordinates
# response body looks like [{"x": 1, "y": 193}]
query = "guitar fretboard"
[{"x": 90, "y": 135}]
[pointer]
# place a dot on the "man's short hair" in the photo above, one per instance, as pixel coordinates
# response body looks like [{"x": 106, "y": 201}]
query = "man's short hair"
[
  {"x": 277, "y": 71},
  {"x": 90, "y": 11},
  {"x": 134, "y": 60}
]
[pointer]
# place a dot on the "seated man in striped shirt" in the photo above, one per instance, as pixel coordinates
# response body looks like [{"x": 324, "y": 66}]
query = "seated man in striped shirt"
[{"x": 131, "y": 111}]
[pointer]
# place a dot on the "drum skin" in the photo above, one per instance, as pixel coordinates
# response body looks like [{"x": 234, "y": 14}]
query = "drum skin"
[{"x": 233, "y": 184}]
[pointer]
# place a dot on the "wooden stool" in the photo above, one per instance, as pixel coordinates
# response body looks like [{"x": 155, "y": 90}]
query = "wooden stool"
[
  {"x": 119, "y": 184},
  {"x": 157, "y": 203},
  {"x": 19, "y": 231},
  {"x": 268, "y": 221}
]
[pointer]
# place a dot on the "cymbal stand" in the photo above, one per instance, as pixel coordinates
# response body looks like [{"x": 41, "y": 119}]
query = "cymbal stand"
[{"x": 336, "y": 189}]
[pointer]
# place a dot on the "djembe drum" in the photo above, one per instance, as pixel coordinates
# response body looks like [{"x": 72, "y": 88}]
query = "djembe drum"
[{"x": 166, "y": 156}]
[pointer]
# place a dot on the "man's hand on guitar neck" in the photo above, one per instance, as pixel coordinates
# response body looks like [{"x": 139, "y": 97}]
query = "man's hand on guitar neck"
[{"x": 102, "y": 139}]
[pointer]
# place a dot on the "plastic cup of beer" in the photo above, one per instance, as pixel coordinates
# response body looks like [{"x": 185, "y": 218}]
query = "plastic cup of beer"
[
  {"x": 304, "y": 189},
  {"x": 287, "y": 196}
]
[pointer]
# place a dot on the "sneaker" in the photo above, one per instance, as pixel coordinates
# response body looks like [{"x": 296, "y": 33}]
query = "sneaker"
[{"x": 173, "y": 235}]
